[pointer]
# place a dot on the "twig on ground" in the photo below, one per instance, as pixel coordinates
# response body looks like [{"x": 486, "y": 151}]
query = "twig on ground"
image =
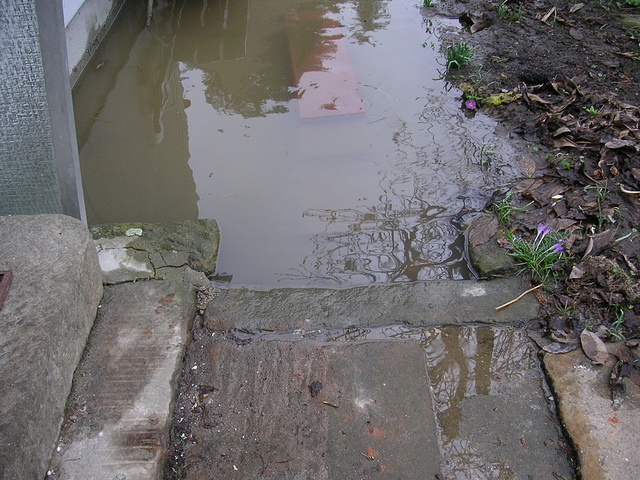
[{"x": 519, "y": 297}]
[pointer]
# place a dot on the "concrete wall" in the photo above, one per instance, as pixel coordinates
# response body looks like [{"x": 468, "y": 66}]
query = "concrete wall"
[
  {"x": 87, "y": 21},
  {"x": 39, "y": 169}
]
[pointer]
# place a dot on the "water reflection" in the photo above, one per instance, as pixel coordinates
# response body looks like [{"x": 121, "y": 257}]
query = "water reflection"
[
  {"x": 132, "y": 139},
  {"x": 474, "y": 362},
  {"x": 217, "y": 38},
  {"x": 384, "y": 245},
  {"x": 201, "y": 118},
  {"x": 370, "y": 16},
  {"x": 325, "y": 82}
]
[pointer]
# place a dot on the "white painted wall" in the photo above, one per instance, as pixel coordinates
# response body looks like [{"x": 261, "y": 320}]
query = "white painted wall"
[
  {"x": 84, "y": 20},
  {"x": 70, "y": 8}
]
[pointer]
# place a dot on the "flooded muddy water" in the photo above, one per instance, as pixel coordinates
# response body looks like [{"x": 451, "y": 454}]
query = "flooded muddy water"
[{"x": 320, "y": 135}]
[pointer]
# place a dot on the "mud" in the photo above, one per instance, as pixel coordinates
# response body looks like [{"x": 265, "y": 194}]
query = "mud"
[{"x": 571, "y": 82}]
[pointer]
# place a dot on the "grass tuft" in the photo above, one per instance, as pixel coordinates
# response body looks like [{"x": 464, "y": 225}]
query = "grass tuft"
[
  {"x": 459, "y": 55},
  {"x": 538, "y": 256}
]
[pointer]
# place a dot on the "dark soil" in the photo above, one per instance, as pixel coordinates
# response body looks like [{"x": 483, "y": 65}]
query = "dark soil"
[{"x": 570, "y": 87}]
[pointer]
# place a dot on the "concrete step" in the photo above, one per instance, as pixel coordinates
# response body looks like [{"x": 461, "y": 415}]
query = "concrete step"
[
  {"x": 357, "y": 402},
  {"x": 118, "y": 413},
  {"x": 421, "y": 303}
]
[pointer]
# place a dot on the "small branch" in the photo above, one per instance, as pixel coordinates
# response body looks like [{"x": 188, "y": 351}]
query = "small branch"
[
  {"x": 630, "y": 192},
  {"x": 516, "y": 299}
]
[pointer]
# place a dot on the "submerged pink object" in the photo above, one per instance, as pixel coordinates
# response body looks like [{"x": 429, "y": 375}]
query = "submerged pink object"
[{"x": 326, "y": 83}]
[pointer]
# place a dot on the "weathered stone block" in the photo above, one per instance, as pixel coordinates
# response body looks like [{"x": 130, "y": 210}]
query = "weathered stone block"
[
  {"x": 130, "y": 251},
  {"x": 47, "y": 315},
  {"x": 489, "y": 259}
]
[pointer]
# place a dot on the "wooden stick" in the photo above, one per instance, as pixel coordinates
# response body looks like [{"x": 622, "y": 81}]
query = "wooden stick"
[{"x": 516, "y": 299}]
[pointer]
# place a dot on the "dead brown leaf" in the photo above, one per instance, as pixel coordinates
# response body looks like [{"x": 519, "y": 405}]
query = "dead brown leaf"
[
  {"x": 527, "y": 166},
  {"x": 564, "y": 143},
  {"x": 559, "y": 224},
  {"x": 577, "y": 272},
  {"x": 483, "y": 229},
  {"x": 576, "y": 7},
  {"x": 598, "y": 242},
  {"x": 476, "y": 27},
  {"x": 538, "y": 99},
  {"x": 576, "y": 34},
  {"x": 618, "y": 143},
  {"x": 593, "y": 347},
  {"x": 561, "y": 131},
  {"x": 528, "y": 184},
  {"x": 543, "y": 193}
]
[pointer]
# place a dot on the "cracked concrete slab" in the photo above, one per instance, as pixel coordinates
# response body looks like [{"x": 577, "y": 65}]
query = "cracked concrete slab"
[{"x": 134, "y": 251}]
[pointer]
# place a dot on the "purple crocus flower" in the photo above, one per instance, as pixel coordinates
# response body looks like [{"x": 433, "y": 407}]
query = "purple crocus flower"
[
  {"x": 470, "y": 104},
  {"x": 557, "y": 248},
  {"x": 543, "y": 229}
]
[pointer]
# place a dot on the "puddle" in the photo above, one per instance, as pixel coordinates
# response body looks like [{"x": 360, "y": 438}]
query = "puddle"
[{"x": 319, "y": 135}]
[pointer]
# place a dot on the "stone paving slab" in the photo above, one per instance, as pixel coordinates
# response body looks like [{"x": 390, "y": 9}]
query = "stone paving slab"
[
  {"x": 246, "y": 411},
  {"x": 492, "y": 406},
  {"x": 254, "y": 415},
  {"x": 44, "y": 324},
  {"x": 120, "y": 406},
  {"x": 606, "y": 440},
  {"x": 420, "y": 303}
]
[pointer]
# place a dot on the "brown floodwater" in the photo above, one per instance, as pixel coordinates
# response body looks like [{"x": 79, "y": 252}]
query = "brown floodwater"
[{"x": 320, "y": 135}]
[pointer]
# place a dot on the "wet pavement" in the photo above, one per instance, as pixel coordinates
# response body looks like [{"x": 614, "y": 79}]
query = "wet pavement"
[
  {"x": 283, "y": 409},
  {"x": 451, "y": 402},
  {"x": 454, "y": 401}
]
